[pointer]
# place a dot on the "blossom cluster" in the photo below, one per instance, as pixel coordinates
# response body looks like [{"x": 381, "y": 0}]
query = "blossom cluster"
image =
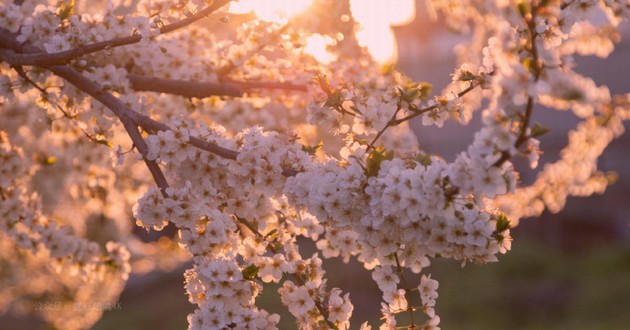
[{"x": 287, "y": 147}]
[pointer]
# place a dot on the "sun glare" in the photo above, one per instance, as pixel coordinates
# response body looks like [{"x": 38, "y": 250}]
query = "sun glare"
[
  {"x": 271, "y": 10},
  {"x": 316, "y": 46},
  {"x": 375, "y": 18}
]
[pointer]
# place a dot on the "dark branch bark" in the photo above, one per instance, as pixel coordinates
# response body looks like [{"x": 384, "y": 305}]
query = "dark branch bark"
[
  {"x": 204, "y": 89},
  {"x": 248, "y": 85},
  {"x": 183, "y": 87},
  {"x": 44, "y": 59},
  {"x": 118, "y": 108}
]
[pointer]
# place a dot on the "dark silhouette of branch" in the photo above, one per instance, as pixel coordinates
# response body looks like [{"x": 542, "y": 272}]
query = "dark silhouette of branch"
[
  {"x": 120, "y": 110},
  {"x": 183, "y": 87},
  {"x": 204, "y": 89},
  {"x": 248, "y": 85},
  {"x": 12, "y": 47},
  {"x": 44, "y": 59}
]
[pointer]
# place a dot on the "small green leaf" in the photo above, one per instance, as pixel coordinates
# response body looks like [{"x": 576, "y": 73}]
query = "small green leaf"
[
  {"x": 375, "y": 159},
  {"x": 539, "y": 130},
  {"x": 459, "y": 216},
  {"x": 612, "y": 177},
  {"x": 250, "y": 272},
  {"x": 528, "y": 63},
  {"x": 311, "y": 150},
  {"x": 272, "y": 234},
  {"x": 499, "y": 237},
  {"x": 465, "y": 75},
  {"x": 523, "y": 8},
  {"x": 573, "y": 95},
  {"x": 276, "y": 245},
  {"x": 425, "y": 90},
  {"x": 503, "y": 223},
  {"x": 65, "y": 10},
  {"x": 49, "y": 160},
  {"x": 324, "y": 84},
  {"x": 413, "y": 91},
  {"x": 423, "y": 159},
  {"x": 335, "y": 99}
]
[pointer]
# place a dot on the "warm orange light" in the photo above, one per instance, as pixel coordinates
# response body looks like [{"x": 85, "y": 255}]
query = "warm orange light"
[
  {"x": 271, "y": 10},
  {"x": 316, "y": 46},
  {"x": 375, "y": 18}
]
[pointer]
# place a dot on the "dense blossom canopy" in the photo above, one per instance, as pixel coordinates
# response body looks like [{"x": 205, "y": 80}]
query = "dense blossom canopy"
[{"x": 239, "y": 141}]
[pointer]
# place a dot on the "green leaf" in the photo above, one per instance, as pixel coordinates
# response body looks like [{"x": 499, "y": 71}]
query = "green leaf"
[
  {"x": 272, "y": 234},
  {"x": 539, "y": 130},
  {"x": 66, "y": 9},
  {"x": 48, "y": 160},
  {"x": 528, "y": 63},
  {"x": 335, "y": 99},
  {"x": 503, "y": 223},
  {"x": 523, "y": 8},
  {"x": 324, "y": 84},
  {"x": 375, "y": 159},
  {"x": 423, "y": 159},
  {"x": 465, "y": 75},
  {"x": 413, "y": 91},
  {"x": 311, "y": 150},
  {"x": 612, "y": 177},
  {"x": 250, "y": 272},
  {"x": 425, "y": 90}
]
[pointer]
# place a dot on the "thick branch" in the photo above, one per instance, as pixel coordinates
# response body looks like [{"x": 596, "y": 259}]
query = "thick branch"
[
  {"x": 7, "y": 40},
  {"x": 44, "y": 59},
  {"x": 118, "y": 108},
  {"x": 183, "y": 87},
  {"x": 248, "y": 85},
  {"x": 204, "y": 89}
]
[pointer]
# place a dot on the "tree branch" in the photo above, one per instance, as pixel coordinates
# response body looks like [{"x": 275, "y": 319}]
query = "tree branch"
[
  {"x": 204, "y": 89},
  {"x": 296, "y": 276},
  {"x": 118, "y": 108},
  {"x": 183, "y": 87},
  {"x": 418, "y": 112},
  {"x": 45, "y": 59},
  {"x": 529, "y": 108},
  {"x": 248, "y": 85},
  {"x": 7, "y": 40}
]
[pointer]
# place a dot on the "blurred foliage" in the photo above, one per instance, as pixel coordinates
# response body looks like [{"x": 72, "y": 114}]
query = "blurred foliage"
[{"x": 535, "y": 286}]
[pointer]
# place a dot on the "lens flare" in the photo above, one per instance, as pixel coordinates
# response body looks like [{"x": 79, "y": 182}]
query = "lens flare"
[
  {"x": 375, "y": 18},
  {"x": 271, "y": 10},
  {"x": 316, "y": 46}
]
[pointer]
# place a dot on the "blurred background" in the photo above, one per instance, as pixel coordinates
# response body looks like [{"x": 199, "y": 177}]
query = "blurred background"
[{"x": 566, "y": 271}]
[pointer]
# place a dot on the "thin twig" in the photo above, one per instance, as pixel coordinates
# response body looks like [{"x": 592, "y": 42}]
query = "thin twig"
[
  {"x": 390, "y": 123},
  {"x": 529, "y": 108},
  {"x": 410, "y": 309},
  {"x": 417, "y": 112},
  {"x": 296, "y": 277}
]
